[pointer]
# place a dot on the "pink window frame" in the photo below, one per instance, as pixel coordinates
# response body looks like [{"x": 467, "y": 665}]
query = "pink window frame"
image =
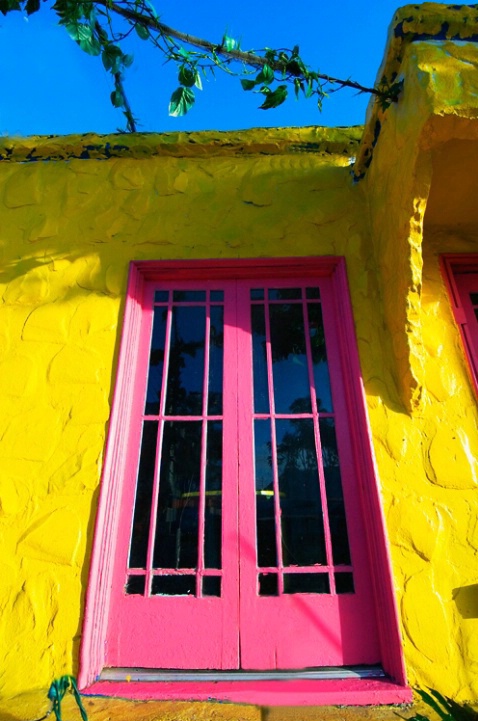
[
  {"x": 452, "y": 266},
  {"x": 394, "y": 688}
]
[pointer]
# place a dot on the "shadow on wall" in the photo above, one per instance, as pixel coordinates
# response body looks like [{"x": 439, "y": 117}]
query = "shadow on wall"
[{"x": 466, "y": 599}]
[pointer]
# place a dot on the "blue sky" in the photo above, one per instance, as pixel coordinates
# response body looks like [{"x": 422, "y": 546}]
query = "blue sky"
[{"x": 51, "y": 86}]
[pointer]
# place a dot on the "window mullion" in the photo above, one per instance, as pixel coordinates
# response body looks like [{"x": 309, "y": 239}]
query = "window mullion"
[
  {"x": 202, "y": 478},
  {"x": 318, "y": 446},
  {"x": 159, "y": 446},
  {"x": 275, "y": 469}
]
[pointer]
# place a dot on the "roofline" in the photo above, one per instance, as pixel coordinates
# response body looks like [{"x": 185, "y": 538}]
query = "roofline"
[
  {"x": 412, "y": 23},
  {"x": 258, "y": 141}
]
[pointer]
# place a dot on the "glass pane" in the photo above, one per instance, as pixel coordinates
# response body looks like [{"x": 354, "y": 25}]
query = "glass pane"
[
  {"x": 312, "y": 293},
  {"x": 474, "y": 298},
  {"x": 213, "y": 511},
  {"x": 289, "y": 360},
  {"x": 176, "y": 544},
  {"x": 319, "y": 358},
  {"x": 257, "y": 294},
  {"x": 268, "y": 584},
  {"x": 303, "y": 541},
  {"x": 259, "y": 359},
  {"x": 344, "y": 583},
  {"x": 265, "y": 516},
  {"x": 189, "y": 296},
  {"x": 174, "y": 586},
  {"x": 306, "y": 583},
  {"x": 217, "y": 295},
  {"x": 285, "y": 293},
  {"x": 156, "y": 361},
  {"x": 144, "y": 490},
  {"x": 186, "y": 361},
  {"x": 135, "y": 585},
  {"x": 161, "y": 296},
  {"x": 216, "y": 354},
  {"x": 211, "y": 586},
  {"x": 335, "y": 498}
]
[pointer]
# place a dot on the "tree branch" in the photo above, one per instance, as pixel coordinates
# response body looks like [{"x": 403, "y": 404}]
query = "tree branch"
[{"x": 248, "y": 58}]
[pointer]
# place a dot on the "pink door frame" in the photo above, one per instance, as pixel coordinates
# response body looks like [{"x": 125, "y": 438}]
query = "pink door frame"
[{"x": 98, "y": 597}]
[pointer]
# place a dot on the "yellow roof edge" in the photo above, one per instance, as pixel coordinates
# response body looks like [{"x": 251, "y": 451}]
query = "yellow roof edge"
[
  {"x": 411, "y": 23},
  {"x": 257, "y": 141}
]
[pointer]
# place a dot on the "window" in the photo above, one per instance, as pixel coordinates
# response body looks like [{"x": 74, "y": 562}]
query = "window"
[
  {"x": 233, "y": 534},
  {"x": 461, "y": 276}
]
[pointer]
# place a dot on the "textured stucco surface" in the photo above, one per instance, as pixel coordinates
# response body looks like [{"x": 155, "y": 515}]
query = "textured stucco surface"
[{"x": 68, "y": 229}]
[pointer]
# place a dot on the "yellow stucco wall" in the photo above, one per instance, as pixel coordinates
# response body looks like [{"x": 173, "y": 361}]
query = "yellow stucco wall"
[{"x": 68, "y": 229}]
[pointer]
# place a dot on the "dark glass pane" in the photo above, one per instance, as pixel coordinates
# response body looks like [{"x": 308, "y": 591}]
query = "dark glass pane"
[
  {"x": 213, "y": 510},
  {"x": 189, "y": 296},
  {"x": 306, "y": 583},
  {"x": 289, "y": 360},
  {"x": 302, "y": 526},
  {"x": 265, "y": 516},
  {"x": 135, "y": 585},
  {"x": 285, "y": 293},
  {"x": 211, "y": 586},
  {"x": 174, "y": 586},
  {"x": 312, "y": 293},
  {"x": 186, "y": 361},
  {"x": 344, "y": 583},
  {"x": 259, "y": 359},
  {"x": 156, "y": 361},
  {"x": 161, "y": 296},
  {"x": 335, "y": 498},
  {"x": 474, "y": 298},
  {"x": 216, "y": 360},
  {"x": 144, "y": 489},
  {"x": 176, "y": 544},
  {"x": 268, "y": 584},
  {"x": 217, "y": 295},
  {"x": 476, "y": 313},
  {"x": 319, "y": 358},
  {"x": 257, "y": 294}
]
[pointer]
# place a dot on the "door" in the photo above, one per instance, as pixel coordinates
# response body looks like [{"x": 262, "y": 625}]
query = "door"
[{"x": 245, "y": 548}]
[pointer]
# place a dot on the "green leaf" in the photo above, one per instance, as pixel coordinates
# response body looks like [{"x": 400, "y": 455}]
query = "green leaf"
[
  {"x": 186, "y": 76},
  {"x": 309, "y": 91},
  {"x": 248, "y": 84},
  {"x": 8, "y": 5},
  {"x": 298, "y": 86},
  {"x": 142, "y": 31},
  {"x": 274, "y": 98},
  {"x": 128, "y": 60},
  {"x": 266, "y": 75},
  {"x": 112, "y": 58},
  {"x": 198, "y": 81},
  {"x": 32, "y": 6},
  {"x": 83, "y": 34},
  {"x": 117, "y": 98},
  {"x": 229, "y": 43},
  {"x": 153, "y": 9},
  {"x": 181, "y": 101}
]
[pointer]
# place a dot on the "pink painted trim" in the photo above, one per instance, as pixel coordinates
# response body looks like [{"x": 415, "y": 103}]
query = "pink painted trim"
[
  {"x": 367, "y": 474},
  {"x": 451, "y": 266},
  {"x": 92, "y": 654},
  {"x": 360, "y": 692},
  {"x": 103, "y": 557}
]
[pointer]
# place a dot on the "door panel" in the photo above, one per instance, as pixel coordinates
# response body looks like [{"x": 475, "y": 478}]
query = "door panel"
[
  {"x": 305, "y": 593},
  {"x": 175, "y": 599}
]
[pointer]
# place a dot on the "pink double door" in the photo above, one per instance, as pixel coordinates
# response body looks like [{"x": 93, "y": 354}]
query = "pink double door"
[{"x": 241, "y": 542}]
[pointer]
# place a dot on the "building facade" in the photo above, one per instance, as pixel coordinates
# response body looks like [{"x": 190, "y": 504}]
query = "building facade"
[{"x": 239, "y": 402}]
